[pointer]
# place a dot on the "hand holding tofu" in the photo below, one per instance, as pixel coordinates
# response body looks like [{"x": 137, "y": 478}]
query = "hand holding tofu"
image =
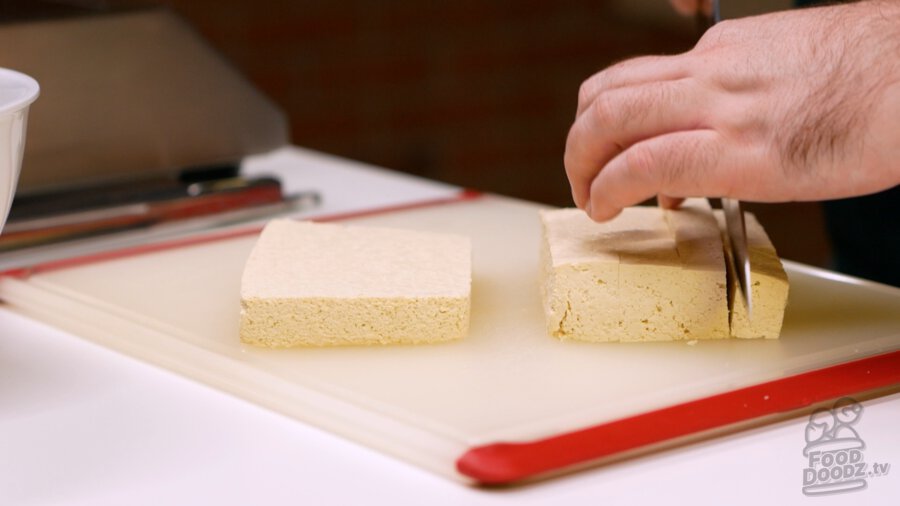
[{"x": 797, "y": 105}]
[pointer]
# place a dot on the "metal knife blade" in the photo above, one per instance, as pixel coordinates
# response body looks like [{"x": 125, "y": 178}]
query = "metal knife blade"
[
  {"x": 708, "y": 14},
  {"x": 737, "y": 236}
]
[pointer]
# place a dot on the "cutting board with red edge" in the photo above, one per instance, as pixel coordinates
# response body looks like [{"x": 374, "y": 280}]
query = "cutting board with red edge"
[{"x": 508, "y": 403}]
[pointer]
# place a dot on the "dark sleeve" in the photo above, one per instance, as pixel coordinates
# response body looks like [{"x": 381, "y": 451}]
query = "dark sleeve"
[{"x": 865, "y": 235}]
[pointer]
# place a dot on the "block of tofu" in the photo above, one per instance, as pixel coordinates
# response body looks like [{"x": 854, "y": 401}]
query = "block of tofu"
[
  {"x": 768, "y": 284},
  {"x": 324, "y": 284},
  {"x": 647, "y": 275}
]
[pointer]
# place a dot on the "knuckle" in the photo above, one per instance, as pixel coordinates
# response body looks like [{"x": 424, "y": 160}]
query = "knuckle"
[
  {"x": 570, "y": 165},
  {"x": 621, "y": 66},
  {"x": 641, "y": 162},
  {"x": 604, "y": 110},
  {"x": 722, "y": 33},
  {"x": 570, "y": 158},
  {"x": 585, "y": 92},
  {"x": 575, "y": 133},
  {"x": 591, "y": 87},
  {"x": 576, "y": 170}
]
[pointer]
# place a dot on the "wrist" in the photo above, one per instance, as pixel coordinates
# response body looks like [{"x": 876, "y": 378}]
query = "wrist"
[{"x": 884, "y": 131}]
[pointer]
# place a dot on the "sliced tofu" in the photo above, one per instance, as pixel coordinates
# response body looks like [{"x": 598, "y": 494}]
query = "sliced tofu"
[
  {"x": 647, "y": 275},
  {"x": 769, "y": 284}
]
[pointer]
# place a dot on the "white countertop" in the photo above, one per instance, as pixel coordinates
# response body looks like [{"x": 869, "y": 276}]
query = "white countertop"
[{"x": 80, "y": 424}]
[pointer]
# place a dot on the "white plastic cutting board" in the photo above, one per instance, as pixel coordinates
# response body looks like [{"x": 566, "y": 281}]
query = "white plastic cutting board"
[{"x": 508, "y": 381}]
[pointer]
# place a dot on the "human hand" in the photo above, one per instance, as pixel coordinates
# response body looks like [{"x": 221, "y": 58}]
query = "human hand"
[{"x": 798, "y": 105}]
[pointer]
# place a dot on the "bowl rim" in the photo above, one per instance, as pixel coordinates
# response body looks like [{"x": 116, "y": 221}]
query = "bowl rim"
[{"x": 18, "y": 80}]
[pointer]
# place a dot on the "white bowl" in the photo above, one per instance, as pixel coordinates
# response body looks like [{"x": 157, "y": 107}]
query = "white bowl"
[{"x": 17, "y": 92}]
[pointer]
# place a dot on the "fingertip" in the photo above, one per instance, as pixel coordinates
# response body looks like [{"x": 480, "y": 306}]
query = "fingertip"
[
  {"x": 607, "y": 216},
  {"x": 667, "y": 202},
  {"x": 579, "y": 202},
  {"x": 680, "y": 163},
  {"x": 601, "y": 213}
]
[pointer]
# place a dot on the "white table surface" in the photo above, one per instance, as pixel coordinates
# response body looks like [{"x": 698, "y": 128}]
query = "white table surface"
[{"x": 80, "y": 424}]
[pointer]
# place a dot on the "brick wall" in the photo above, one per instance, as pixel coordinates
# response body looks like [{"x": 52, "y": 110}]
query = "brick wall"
[
  {"x": 479, "y": 93},
  {"x": 475, "y": 92}
]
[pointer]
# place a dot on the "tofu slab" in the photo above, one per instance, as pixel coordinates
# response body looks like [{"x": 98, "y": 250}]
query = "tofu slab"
[
  {"x": 769, "y": 284},
  {"x": 312, "y": 284},
  {"x": 647, "y": 275}
]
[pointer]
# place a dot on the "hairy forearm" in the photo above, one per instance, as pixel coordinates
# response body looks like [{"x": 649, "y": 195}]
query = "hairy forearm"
[
  {"x": 883, "y": 134},
  {"x": 795, "y": 105},
  {"x": 851, "y": 113}
]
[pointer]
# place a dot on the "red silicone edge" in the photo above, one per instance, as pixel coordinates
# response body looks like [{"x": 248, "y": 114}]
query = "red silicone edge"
[
  {"x": 502, "y": 463},
  {"x": 24, "y": 272}
]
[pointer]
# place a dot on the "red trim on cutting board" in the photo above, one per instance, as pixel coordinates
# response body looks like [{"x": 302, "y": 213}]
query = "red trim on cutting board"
[
  {"x": 65, "y": 263},
  {"x": 501, "y": 463}
]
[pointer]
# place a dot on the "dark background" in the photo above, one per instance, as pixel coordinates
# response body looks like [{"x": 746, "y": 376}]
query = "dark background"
[{"x": 478, "y": 93}]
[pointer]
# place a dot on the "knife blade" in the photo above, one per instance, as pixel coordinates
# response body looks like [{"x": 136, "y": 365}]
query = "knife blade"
[
  {"x": 159, "y": 204},
  {"x": 708, "y": 14},
  {"x": 740, "y": 258}
]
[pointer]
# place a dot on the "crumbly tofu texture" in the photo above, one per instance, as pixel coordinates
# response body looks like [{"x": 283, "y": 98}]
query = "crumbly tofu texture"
[
  {"x": 769, "y": 284},
  {"x": 647, "y": 275},
  {"x": 312, "y": 284}
]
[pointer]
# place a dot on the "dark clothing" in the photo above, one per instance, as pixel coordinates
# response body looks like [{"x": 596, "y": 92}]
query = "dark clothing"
[
  {"x": 865, "y": 235},
  {"x": 865, "y": 231}
]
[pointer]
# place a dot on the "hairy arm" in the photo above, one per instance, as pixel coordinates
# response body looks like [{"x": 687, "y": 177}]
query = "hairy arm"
[{"x": 799, "y": 105}]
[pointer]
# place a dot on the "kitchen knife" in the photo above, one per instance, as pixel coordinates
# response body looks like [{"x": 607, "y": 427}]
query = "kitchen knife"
[
  {"x": 708, "y": 14},
  {"x": 158, "y": 204}
]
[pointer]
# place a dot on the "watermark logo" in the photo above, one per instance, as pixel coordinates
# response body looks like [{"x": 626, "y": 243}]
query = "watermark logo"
[{"x": 835, "y": 452}]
